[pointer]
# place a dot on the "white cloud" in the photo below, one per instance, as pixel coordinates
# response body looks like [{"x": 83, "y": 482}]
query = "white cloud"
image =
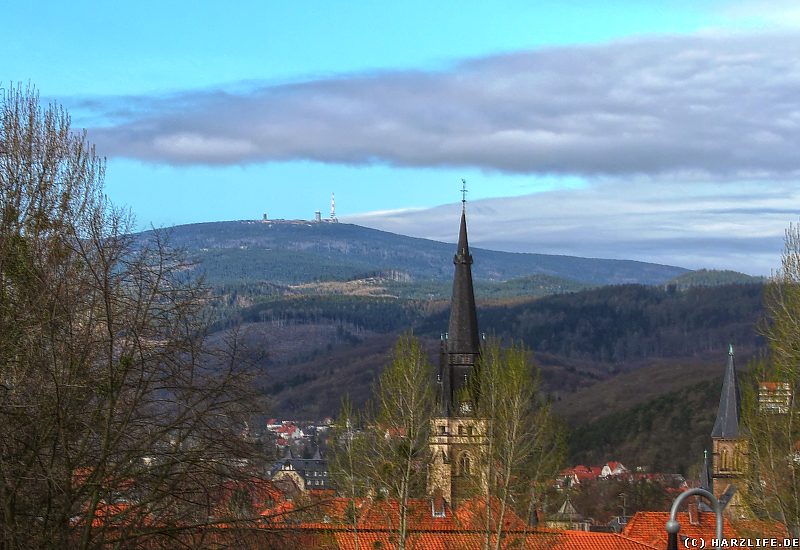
[
  {"x": 732, "y": 226},
  {"x": 189, "y": 145},
  {"x": 721, "y": 107}
]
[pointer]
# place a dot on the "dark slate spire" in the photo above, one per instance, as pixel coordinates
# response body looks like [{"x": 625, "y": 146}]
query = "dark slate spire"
[
  {"x": 462, "y": 348},
  {"x": 705, "y": 483},
  {"x": 462, "y": 332},
  {"x": 727, "y": 424},
  {"x": 705, "y": 476}
]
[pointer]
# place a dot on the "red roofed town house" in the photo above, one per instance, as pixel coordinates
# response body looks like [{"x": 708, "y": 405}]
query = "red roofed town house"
[
  {"x": 649, "y": 528},
  {"x": 369, "y": 524}
]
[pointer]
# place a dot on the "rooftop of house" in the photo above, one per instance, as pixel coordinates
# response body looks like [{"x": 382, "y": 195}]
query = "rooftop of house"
[
  {"x": 534, "y": 540},
  {"x": 376, "y": 522},
  {"x": 650, "y": 528}
]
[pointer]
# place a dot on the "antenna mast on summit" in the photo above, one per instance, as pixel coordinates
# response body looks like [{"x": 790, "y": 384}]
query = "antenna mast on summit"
[{"x": 333, "y": 208}]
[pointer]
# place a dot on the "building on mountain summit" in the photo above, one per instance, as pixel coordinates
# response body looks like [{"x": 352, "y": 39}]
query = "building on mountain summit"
[{"x": 458, "y": 438}]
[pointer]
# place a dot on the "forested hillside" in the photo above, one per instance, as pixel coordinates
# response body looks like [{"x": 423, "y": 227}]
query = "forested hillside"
[
  {"x": 617, "y": 324},
  {"x": 317, "y": 307},
  {"x": 712, "y": 277},
  {"x": 291, "y": 252},
  {"x": 613, "y": 359},
  {"x": 667, "y": 434}
]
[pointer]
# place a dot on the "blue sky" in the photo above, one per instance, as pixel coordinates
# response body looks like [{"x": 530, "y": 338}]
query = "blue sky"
[{"x": 212, "y": 112}]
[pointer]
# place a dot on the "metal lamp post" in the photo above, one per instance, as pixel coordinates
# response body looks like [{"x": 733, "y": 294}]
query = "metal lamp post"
[{"x": 673, "y": 526}]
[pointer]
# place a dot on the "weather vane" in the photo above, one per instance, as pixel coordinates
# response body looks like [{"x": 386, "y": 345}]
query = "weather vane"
[{"x": 463, "y": 191}]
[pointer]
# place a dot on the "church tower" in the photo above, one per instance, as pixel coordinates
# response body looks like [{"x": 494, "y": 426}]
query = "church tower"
[
  {"x": 458, "y": 437},
  {"x": 729, "y": 448}
]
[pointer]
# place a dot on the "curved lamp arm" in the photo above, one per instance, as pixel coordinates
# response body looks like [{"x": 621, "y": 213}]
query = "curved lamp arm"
[{"x": 673, "y": 526}]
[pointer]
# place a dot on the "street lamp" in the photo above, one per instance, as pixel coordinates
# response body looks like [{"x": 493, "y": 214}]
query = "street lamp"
[{"x": 673, "y": 526}]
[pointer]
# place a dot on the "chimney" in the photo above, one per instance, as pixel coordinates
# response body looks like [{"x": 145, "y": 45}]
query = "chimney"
[{"x": 694, "y": 513}]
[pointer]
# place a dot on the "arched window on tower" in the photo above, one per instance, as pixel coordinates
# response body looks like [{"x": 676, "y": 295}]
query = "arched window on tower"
[
  {"x": 724, "y": 460},
  {"x": 464, "y": 465}
]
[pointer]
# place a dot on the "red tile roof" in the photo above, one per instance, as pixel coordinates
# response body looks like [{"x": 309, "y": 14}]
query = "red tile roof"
[
  {"x": 385, "y": 514},
  {"x": 535, "y": 540},
  {"x": 649, "y": 527},
  {"x": 463, "y": 529}
]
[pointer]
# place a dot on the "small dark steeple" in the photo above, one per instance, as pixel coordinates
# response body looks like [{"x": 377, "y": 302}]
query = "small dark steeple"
[
  {"x": 705, "y": 474},
  {"x": 727, "y": 423},
  {"x": 463, "y": 340},
  {"x": 705, "y": 483}
]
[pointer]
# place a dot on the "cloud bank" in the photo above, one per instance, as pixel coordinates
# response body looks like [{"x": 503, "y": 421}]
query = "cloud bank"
[
  {"x": 731, "y": 226},
  {"x": 713, "y": 107}
]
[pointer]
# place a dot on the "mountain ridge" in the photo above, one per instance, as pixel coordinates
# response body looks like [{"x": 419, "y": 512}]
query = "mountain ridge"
[{"x": 299, "y": 251}]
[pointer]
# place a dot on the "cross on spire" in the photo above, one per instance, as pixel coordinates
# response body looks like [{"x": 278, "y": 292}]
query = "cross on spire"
[{"x": 464, "y": 193}]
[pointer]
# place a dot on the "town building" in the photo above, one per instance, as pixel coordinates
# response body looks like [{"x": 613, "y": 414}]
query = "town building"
[
  {"x": 774, "y": 397},
  {"x": 308, "y": 474}
]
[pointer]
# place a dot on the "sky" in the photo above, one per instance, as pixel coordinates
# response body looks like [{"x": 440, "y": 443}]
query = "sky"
[{"x": 659, "y": 131}]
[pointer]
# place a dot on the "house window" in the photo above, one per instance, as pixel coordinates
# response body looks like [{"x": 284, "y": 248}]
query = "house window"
[{"x": 460, "y": 429}]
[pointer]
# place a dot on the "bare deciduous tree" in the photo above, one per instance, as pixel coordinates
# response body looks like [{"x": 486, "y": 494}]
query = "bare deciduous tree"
[
  {"x": 117, "y": 425},
  {"x": 386, "y": 459},
  {"x": 773, "y": 453},
  {"x": 524, "y": 447},
  {"x": 346, "y": 464}
]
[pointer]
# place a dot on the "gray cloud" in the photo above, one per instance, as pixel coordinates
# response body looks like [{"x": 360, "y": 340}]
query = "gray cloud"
[
  {"x": 694, "y": 225},
  {"x": 719, "y": 107}
]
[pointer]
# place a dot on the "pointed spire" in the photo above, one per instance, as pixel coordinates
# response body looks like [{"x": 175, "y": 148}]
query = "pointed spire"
[
  {"x": 461, "y": 347},
  {"x": 462, "y": 332},
  {"x": 727, "y": 423},
  {"x": 705, "y": 477}
]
